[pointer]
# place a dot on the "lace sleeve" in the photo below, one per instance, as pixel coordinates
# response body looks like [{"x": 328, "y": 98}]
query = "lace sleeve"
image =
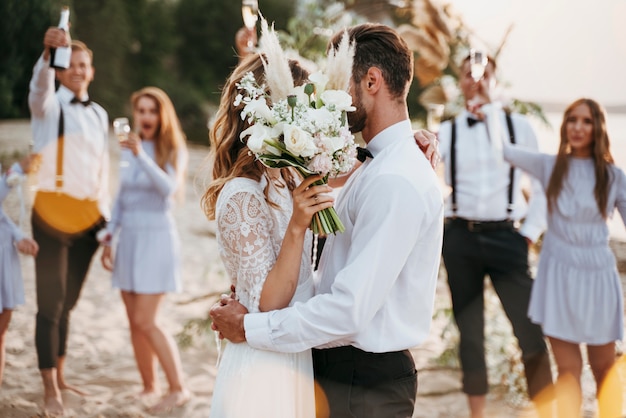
[{"x": 244, "y": 236}]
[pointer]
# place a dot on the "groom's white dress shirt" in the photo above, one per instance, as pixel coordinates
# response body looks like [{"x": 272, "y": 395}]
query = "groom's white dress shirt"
[{"x": 377, "y": 279}]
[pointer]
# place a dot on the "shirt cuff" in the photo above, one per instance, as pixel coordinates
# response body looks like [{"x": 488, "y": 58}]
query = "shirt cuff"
[
  {"x": 256, "y": 327},
  {"x": 531, "y": 232}
]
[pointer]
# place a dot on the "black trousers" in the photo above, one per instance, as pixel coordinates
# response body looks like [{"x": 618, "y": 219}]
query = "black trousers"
[
  {"x": 354, "y": 383},
  {"x": 61, "y": 267},
  {"x": 502, "y": 254}
]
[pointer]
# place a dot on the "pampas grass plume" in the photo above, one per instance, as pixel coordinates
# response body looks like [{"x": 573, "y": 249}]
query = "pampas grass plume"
[
  {"x": 277, "y": 72},
  {"x": 339, "y": 64}
]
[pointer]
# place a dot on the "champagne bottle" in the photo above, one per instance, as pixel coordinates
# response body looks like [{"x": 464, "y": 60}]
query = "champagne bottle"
[{"x": 60, "y": 57}]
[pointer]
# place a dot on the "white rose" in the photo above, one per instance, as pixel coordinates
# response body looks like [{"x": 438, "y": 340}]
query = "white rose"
[
  {"x": 298, "y": 142},
  {"x": 259, "y": 109},
  {"x": 257, "y": 134},
  {"x": 338, "y": 99}
]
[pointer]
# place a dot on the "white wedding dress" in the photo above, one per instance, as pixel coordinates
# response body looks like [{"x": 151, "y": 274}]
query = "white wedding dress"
[{"x": 257, "y": 383}]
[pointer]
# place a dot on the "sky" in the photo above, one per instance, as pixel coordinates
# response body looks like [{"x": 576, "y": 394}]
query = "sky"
[{"x": 558, "y": 50}]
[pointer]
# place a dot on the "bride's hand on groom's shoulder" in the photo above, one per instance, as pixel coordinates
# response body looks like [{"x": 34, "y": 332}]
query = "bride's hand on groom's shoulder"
[
  {"x": 429, "y": 144},
  {"x": 227, "y": 315}
]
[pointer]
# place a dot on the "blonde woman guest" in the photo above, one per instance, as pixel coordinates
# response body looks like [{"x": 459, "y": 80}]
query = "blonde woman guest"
[
  {"x": 577, "y": 294},
  {"x": 146, "y": 262}
]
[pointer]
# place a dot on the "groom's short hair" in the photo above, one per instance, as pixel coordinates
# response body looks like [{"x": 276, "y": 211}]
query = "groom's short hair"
[{"x": 380, "y": 46}]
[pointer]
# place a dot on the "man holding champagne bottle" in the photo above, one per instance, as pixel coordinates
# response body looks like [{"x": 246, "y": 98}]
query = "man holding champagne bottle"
[{"x": 71, "y": 134}]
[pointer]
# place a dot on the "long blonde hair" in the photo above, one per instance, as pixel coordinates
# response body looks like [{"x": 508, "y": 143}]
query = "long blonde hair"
[
  {"x": 229, "y": 155},
  {"x": 601, "y": 155},
  {"x": 169, "y": 142}
]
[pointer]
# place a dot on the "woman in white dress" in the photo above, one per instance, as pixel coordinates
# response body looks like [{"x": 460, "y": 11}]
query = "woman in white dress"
[
  {"x": 147, "y": 256},
  {"x": 577, "y": 294},
  {"x": 262, "y": 231},
  {"x": 12, "y": 240}
]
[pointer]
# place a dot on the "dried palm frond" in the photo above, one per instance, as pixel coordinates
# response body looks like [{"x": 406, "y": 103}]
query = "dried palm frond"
[
  {"x": 277, "y": 72},
  {"x": 425, "y": 72},
  {"x": 339, "y": 64},
  {"x": 426, "y": 13},
  {"x": 433, "y": 95},
  {"x": 433, "y": 49}
]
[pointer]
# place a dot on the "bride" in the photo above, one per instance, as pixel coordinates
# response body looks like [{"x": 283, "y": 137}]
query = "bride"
[{"x": 262, "y": 218}]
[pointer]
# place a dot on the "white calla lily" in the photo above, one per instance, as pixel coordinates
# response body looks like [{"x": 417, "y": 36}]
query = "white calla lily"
[
  {"x": 257, "y": 134},
  {"x": 259, "y": 109}
]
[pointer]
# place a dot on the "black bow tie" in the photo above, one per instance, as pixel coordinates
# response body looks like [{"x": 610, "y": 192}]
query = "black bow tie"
[
  {"x": 362, "y": 154},
  {"x": 472, "y": 121},
  {"x": 77, "y": 100}
]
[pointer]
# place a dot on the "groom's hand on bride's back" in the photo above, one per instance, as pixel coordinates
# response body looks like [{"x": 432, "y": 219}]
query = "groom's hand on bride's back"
[{"x": 227, "y": 316}]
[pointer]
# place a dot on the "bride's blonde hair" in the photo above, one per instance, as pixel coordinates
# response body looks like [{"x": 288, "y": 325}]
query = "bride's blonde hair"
[{"x": 229, "y": 154}]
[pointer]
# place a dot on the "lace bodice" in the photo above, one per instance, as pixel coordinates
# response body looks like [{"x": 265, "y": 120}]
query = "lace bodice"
[{"x": 249, "y": 236}]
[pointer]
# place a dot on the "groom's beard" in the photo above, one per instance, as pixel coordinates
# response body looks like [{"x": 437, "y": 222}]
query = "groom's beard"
[{"x": 357, "y": 119}]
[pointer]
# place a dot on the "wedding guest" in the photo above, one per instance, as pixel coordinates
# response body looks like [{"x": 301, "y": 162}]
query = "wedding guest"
[
  {"x": 484, "y": 235},
  {"x": 377, "y": 279},
  {"x": 577, "y": 294},
  {"x": 146, "y": 265},
  {"x": 12, "y": 240},
  {"x": 71, "y": 133},
  {"x": 245, "y": 42}
]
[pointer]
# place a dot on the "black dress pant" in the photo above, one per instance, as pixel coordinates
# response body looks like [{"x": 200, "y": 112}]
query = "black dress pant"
[
  {"x": 354, "y": 383},
  {"x": 61, "y": 267},
  {"x": 501, "y": 253}
]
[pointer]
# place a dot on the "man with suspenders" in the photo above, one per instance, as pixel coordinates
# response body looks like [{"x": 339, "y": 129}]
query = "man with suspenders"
[
  {"x": 483, "y": 235},
  {"x": 71, "y": 134}
]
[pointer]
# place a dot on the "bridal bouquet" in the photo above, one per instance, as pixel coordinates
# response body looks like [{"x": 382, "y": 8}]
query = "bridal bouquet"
[{"x": 304, "y": 127}]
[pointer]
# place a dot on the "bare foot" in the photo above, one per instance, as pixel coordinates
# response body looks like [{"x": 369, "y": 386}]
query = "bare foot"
[
  {"x": 53, "y": 406},
  {"x": 170, "y": 401},
  {"x": 145, "y": 397},
  {"x": 75, "y": 389}
]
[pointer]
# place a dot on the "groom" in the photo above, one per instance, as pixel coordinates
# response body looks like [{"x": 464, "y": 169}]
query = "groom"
[{"x": 377, "y": 279}]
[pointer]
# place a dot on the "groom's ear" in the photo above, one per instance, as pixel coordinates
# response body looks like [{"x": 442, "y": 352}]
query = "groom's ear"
[{"x": 373, "y": 79}]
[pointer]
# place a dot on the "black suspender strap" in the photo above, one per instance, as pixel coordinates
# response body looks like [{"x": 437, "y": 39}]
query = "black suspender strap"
[
  {"x": 509, "y": 124},
  {"x": 453, "y": 166},
  {"x": 60, "y": 141}
]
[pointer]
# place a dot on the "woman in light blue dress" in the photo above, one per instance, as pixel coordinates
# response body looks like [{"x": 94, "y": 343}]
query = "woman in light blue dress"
[
  {"x": 147, "y": 256},
  {"x": 12, "y": 240},
  {"x": 577, "y": 294}
]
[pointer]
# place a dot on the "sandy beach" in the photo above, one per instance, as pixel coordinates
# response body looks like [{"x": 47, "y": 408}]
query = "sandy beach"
[{"x": 100, "y": 358}]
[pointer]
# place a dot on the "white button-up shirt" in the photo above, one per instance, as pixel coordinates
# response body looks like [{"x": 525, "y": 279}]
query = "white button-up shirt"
[
  {"x": 85, "y": 149},
  {"x": 377, "y": 279},
  {"x": 482, "y": 177}
]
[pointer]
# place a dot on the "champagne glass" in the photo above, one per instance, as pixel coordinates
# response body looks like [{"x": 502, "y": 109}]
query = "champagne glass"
[
  {"x": 433, "y": 116},
  {"x": 250, "y": 14},
  {"x": 121, "y": 127},
  {"x": 478, "y": 63}
]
